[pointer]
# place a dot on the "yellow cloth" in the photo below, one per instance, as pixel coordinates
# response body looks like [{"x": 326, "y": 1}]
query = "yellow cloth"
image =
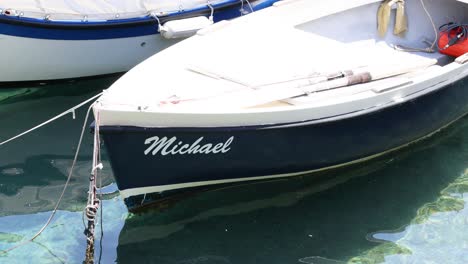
[
  {"x": 383, "y": 17},
  {"x": 401, "y": 22}
]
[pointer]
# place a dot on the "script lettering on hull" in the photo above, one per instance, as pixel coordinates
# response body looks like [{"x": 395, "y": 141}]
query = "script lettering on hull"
[{"x": 172, "y": 146}]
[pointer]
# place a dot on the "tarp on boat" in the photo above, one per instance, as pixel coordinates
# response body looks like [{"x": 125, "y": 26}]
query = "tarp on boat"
[{"x": 97, "y": 9}]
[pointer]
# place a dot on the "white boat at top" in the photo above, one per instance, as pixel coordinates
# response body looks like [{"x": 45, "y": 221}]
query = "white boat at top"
[
  {"x": 296, "y": 88},
  {"x": 45, "y": 40}
]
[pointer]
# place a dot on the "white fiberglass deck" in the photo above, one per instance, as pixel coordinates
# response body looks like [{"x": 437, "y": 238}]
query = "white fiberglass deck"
[{"x": 229, "y": 73}]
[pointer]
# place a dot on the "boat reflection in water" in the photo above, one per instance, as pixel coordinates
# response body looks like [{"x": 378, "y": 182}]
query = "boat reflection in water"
[
  {"x": 304, "y": 219},
  {"x": 299, "y": 219}
]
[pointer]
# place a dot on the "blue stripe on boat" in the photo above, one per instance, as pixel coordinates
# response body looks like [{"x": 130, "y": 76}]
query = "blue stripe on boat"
[
  {"x": 123, "y": 28},
  {"x": 77, "y": 34}
]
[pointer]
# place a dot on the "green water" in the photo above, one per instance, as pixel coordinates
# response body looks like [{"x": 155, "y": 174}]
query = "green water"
[{"x": 407, "y": 207}]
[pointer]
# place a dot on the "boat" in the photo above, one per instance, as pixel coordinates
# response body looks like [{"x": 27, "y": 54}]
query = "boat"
[
  {"x": 64, "y": 40},
  {"x": 299, "y": 87}
]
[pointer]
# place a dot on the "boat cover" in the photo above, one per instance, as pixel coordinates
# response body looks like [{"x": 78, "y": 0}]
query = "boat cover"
[{"x": 97, "y": 9}]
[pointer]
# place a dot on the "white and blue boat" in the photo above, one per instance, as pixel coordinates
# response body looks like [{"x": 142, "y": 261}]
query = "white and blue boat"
[
  {"x": 49, "y": 40},
  {"x": 299, "y": 87}
]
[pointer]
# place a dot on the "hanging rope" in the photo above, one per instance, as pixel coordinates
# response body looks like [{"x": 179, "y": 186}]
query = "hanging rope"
[
  {"x": 92, "y": 206},
  {"x": 401, "y": 24},
  {"x": 211, "y": 10},
  {"x": 429, "y": 49},
  {"x": 69, "y": 174},
  {"x": 248, "y": 3}
]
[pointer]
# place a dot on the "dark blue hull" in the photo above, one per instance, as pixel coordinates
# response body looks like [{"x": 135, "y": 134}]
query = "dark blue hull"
[{"x": 245, "y": 153}]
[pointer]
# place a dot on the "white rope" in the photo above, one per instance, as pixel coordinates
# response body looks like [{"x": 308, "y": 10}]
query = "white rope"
[
  {"x": 63, "y": 191},
  {"x": 430, "y": 49},
  {"x": 211, "y": 8},
  {"x": 71, "y": 110},
  {"x": 242, "y": 6},
  {"x": 93, "y": 202},
  {"x": 436, "y": 32},
  {"x": 248, "y": 2}
]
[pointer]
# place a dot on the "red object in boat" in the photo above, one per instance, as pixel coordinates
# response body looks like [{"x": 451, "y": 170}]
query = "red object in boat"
[{"x": 455, "y": 50}]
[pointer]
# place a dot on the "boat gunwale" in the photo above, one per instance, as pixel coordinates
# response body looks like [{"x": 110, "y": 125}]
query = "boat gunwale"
[
  {"x": 454, "y": 71},
  {"x": 109, "y": 129}
]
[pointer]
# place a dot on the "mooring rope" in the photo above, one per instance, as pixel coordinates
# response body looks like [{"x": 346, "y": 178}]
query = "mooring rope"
[
  {"x": 101, "y": 217},
  {"x": 93, "y": 204},
  {"x": 71, "y": 110},
  {"x": 69, "y": 174},
  {"x": 248, "y": 3}
]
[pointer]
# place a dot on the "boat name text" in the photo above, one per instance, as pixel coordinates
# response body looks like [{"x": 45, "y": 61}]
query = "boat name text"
[{"x": 167, "y": 146}]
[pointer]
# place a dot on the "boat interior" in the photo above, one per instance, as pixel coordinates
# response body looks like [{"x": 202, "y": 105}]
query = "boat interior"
[
  {"x": 393, "y": 41},
  {"x": 416, "y": 42},
  {"x": 311, "y": 52},
  {"x": 356, "y": 25}
]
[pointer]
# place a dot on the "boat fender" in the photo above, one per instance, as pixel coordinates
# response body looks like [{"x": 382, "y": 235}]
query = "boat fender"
[{"x": 183, "y": 28}]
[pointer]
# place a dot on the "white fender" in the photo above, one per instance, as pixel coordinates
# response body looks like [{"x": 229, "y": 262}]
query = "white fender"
[{"x": 183, "y": 28}]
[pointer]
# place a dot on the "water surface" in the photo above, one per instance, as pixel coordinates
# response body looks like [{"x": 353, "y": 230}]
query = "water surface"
[{"x": 407, "y": 207}]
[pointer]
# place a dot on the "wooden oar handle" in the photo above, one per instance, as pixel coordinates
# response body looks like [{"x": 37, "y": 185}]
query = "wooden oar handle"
[{"x": 359, "y": 78}]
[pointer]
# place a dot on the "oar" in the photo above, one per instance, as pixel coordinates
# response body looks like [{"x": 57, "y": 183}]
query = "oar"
[
  {"x": 267, "y": 95},
  {"x": 360, "y": 76},
  {"x": 264, "y": 95},
  {"x": 231, "y": 95}
]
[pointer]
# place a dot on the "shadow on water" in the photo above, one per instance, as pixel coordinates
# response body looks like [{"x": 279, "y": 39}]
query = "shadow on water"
[
  {"x": 35, "y": 185},
  {"x": 34, "y": 168},
  {"x": 68, "y": 88},
  {"x": 16, "y": 176},
  {"x": 300, "y": 220}
]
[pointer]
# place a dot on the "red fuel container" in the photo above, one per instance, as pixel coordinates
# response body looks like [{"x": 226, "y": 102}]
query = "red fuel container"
[{"x": 456, "y": 50}]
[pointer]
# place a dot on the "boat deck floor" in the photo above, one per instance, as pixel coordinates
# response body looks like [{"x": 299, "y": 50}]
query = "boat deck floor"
[{"x": 351, "y": 56}]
